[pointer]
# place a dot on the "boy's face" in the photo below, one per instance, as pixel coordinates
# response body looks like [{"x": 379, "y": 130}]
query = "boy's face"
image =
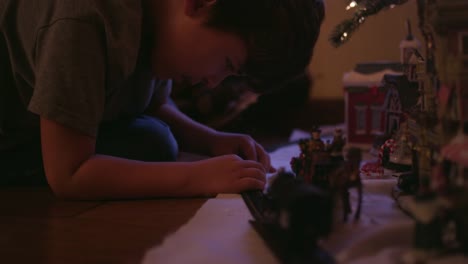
[{"x": 191, "y": 52}]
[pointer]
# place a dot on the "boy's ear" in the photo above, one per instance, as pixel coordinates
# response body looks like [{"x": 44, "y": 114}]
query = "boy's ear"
[{"x": 194, "y": 8}]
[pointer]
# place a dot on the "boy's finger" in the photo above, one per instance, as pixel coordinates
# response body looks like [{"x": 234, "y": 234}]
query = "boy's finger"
[
  {"x": 249, "y": 150},
  {"x": 254, "y": 173},
  {"x": 264, "y": 158},
  {"x": 253, "y": 164},
  {"x": 245, "y": 184}
]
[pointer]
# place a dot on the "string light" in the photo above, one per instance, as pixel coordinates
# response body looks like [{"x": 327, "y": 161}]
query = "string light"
[
  {"x": 364, "y": 9},
  {"x": 353, "y": 4}
]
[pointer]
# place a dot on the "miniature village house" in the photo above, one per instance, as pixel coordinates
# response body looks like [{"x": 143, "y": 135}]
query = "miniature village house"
[
  {"x": 378, "y": 95},
  {"x": 365, "y": 99}
]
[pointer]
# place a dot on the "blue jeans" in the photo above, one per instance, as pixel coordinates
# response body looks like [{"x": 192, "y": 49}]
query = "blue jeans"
[{"x": 144, "y": 138}]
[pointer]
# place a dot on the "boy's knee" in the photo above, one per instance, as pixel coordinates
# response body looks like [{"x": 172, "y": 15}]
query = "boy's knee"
[
  {"x": 157, "y": 143},
  {"x": 145, "y": 139},
  {"x": 163, "y": 145}
]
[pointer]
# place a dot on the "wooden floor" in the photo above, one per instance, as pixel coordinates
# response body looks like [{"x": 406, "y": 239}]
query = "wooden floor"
[{"x": 36, "y": 227}]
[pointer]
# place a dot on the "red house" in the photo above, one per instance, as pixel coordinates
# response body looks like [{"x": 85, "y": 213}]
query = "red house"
[{"x": 366, "y": 99}]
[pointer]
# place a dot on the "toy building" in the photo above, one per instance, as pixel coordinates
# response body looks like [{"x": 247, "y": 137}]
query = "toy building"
[
  {"x": 365, "y": 100},
  {"x": 378, "y": 94}
]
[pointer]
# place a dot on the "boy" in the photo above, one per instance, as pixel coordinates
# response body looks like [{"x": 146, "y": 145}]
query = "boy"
[{"x": 82, "y": 91}]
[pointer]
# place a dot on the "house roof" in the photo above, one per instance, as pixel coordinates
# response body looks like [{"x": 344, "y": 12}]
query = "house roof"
[
  {"x": 407, "y": 90},
  {"x": 355, "y": 79},
  {"x": 366, "y": 75}
]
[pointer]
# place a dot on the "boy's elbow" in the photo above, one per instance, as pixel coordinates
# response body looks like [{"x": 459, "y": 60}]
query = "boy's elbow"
[
  {"x": 63, "y": 187},
  {"x": 63, "y": 190},
  {"x": 67, "y": 183}
]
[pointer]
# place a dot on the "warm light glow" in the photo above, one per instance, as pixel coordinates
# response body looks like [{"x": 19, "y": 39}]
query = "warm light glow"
[
  {"x": 344, "y": 36},
  {"x": 351, "y": 5}
]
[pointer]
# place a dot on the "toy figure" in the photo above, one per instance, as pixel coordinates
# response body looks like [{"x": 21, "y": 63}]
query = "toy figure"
[
  {"x": 346, "y": 177},
  {"x": 336, "y": 147},
  {"x": 319, "y": 170},
  {"x": 316, "y": 143},
  {"x": 301, "y": 165},
  {"x": 292, "y": 217},
  {"x": 314, "y": 164}
]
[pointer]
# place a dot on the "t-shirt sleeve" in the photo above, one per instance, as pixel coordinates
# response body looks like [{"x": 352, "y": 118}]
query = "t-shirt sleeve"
[{"x": 70, "y": 73}]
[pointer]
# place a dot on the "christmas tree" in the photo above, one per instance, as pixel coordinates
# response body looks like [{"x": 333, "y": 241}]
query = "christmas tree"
[{"x": 364, "y": 9}]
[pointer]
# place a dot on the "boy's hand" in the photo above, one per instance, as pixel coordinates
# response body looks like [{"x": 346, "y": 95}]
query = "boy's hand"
[
  {"x": 228, "y": 174},
  {"x": 242, "y": 145}
]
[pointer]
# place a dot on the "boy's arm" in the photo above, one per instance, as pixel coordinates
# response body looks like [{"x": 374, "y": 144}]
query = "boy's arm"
[
  {"x": 191, "y": 136},
  {"x": 195, "y": 137},
  {"x": 73, "y": 171}
]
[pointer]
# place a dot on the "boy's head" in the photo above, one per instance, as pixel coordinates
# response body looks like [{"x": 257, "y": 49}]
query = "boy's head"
[{"x": 268, "y": 41}]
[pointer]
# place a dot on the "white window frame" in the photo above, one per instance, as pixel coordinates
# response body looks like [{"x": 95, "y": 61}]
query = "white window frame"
[{"x": 361, "y": 112}]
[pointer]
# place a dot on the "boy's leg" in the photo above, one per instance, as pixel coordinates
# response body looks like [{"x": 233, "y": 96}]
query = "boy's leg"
[{"x": 144, "y": 138}]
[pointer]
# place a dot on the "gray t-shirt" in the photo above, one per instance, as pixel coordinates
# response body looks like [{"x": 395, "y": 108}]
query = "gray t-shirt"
[{"x": 77, "y": 62}]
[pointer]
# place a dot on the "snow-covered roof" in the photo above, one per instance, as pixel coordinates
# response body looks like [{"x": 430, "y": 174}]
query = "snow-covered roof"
[{"x": 354, "y": 78}]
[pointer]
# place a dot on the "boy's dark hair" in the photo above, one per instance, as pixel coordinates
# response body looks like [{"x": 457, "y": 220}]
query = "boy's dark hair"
[{"x": 280, "y": 36}]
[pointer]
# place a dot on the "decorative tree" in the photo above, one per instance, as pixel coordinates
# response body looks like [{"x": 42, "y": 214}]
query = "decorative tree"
[{"x": 364, "y": 9}]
